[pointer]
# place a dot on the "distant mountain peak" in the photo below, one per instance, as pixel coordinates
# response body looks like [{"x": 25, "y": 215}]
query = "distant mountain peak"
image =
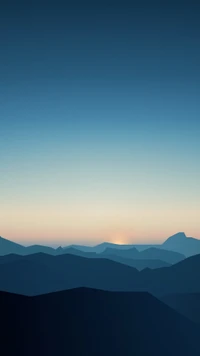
[
  {"x": 8, "y": 242},
  {"x": 59, "y": 249},
  {"x": 177, "y": 237}
]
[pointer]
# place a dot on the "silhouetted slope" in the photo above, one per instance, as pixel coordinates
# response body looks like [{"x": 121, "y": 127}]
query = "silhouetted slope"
[
  {"x": 164, "y": 255},
  {"x": 130, "y": 253},
  {"x": 39, "y": 248},
  {"x": 77, "y": 252},
  {"x": 91, "y": 322},
  {"x": 10, "y": 258},
  {"x": 187, "y": 304},
  {"x": 139, "y": 264},
  {"x": 7, "y": 247},
  {"x": 19, "y": 326},
  {"x": 42, "y": 273},
  {"x": 148, "y": 254},
  {"x": 99, "y": 248},
  {"x": 145, "y": 246},
  {"x": 183, "y": 244},
  {"x": 182, "y": 277}
]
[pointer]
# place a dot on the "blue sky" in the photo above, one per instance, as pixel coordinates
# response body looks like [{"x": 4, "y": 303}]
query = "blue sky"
[{"x": 99, "y": 121}]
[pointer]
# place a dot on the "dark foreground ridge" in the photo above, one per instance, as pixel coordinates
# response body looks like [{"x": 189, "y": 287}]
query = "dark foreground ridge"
[
  {"x": 92, "y": 322},
  {"x": 187, "y": 304}
]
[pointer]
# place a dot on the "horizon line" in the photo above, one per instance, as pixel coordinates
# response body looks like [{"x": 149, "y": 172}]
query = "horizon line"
[{"x": 56, "y": 245}]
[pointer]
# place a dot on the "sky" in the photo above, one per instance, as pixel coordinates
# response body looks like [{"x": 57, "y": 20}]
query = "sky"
[{"x": 99, "y": 121}]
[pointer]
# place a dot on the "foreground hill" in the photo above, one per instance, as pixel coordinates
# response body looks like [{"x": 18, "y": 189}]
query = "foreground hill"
[
  {"x": 187, "y": 304},
  {"x": 91, "y": 322}
]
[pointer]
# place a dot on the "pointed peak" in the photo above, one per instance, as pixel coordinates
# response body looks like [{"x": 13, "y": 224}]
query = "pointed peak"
[
  {"x": 179, "y": 236},
  {"x": 59, "y": 248}
]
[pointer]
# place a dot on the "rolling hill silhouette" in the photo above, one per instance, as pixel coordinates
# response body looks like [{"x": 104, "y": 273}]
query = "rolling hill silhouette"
[
  {"x": 42, "y": 273},
  {"x": 139, "y": 264},
  {"x": 148, "y": 254},
  {"x": 182, "y": 277},
  {"x": 86, "y": 322},
  {"x": 100, "y": 247},
  {"x": 126, "y": 254},
  {"x": 44, "y": 249},
  {"x": 75, "y": 251}
]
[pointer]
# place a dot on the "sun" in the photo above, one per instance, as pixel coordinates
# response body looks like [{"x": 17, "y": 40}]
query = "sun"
[{"x": 119, "y": 238}]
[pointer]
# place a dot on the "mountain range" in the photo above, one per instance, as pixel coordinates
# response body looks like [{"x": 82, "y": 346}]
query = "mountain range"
[
  {"x": 151, "y": 253},
  {"x": 103, "y": 300},
  {"x": 42, "y": 273},
  {"x": 179, "y": 243}
]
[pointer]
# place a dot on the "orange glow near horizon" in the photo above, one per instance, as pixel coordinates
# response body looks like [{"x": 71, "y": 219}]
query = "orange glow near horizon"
[
  {"x": 63, "y": 224},
  {"x": 90, "y": 237}
]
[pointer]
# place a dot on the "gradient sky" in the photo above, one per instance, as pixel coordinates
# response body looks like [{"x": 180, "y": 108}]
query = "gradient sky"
[{"x": 99, "y": 121}]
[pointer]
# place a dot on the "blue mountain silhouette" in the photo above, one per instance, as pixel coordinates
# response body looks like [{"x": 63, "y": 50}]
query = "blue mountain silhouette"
[
  {"x": 151, "y": 253},
  {"x": 181, "y": 243},
  {"x": 42, "y": 273}
]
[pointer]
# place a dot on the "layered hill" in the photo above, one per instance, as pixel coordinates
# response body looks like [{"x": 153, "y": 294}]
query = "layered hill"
[
  {"x": 179, "y": 243},
  {"x": 43, "y": 273},
  {"x": 151, "y": 253}
]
